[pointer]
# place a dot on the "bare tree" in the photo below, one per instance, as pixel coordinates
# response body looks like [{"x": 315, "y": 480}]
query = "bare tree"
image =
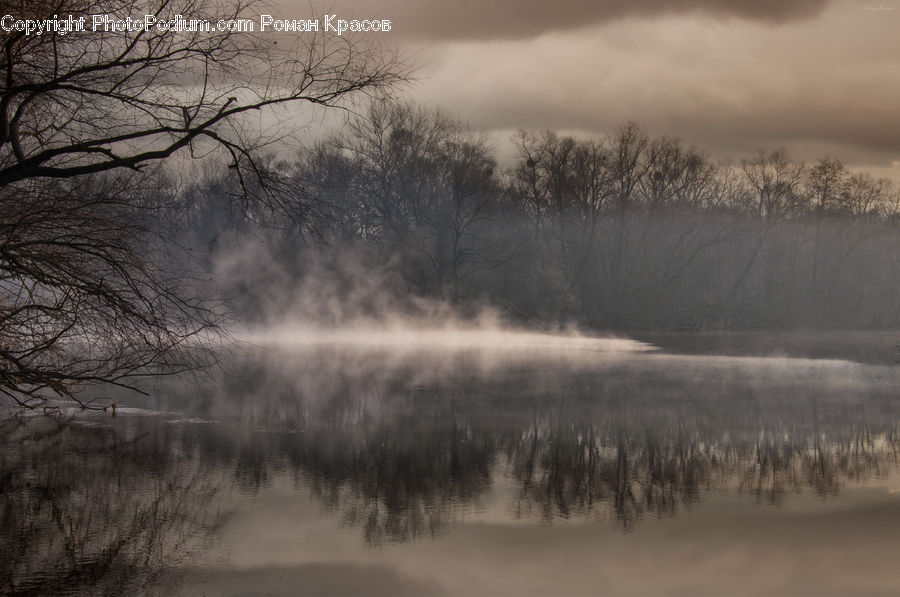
[
  {"x": 630, "y": 164},
  {"x": 416, "y": 183},
  {"x": 83, "y": 119},
  {"x": 774, "y": 181},
  {"x": 864, "y": 195},
  {"x": 82, "y": 104},
  {"x": 825, "y": 183},
  {"x": 563, "y": 185}
]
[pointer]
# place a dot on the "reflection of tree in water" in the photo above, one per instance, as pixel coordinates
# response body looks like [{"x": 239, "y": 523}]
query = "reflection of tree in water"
[
  {"x": 380, "y": 443},
  {"x": 605, "y": 457},
  {"x": 777, "y": 466},
  {"x": 105, "y": 507},
  {"x": 580, "y": 459},
  {"x": 402, "y": 457},
  {"x": 399, "y": 477},
  {"x": 402, "y": 447},
  {"x": 88, "y": 510}
]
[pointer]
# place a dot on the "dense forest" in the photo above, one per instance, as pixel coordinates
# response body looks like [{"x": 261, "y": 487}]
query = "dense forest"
[{"x": 621, "y": 232}]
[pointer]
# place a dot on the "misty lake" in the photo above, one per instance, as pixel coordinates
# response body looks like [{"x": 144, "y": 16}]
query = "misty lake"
[{"x": 474, "y": 465}]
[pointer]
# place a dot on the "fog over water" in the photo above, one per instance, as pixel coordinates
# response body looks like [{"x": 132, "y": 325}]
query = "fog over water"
[{"x": 451, "y": 338}]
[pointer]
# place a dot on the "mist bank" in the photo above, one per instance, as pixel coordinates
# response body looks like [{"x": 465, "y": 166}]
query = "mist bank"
[{"x": 405, "y": 216}]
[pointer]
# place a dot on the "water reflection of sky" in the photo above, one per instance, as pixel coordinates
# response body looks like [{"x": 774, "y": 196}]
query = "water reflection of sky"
[{"x": 729, "y": 546}]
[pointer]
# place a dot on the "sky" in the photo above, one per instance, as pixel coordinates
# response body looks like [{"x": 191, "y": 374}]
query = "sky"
[{"x": 816, "y": 77}]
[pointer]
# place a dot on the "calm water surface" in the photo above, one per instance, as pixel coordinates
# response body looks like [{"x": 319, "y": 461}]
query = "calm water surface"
[{"x": 714, "y": 465}]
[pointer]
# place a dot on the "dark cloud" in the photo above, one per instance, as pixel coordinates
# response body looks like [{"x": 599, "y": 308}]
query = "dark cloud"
[
  {"x": 441, "y": 20},
  {"x": 861, "y": 137},
  {"x": 731, "y": 76},
  {"x": 827, "y": 85}
]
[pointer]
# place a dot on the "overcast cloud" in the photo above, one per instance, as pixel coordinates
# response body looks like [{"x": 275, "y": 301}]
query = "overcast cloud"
[
  {"x": 434, "y": 20},
  {"x": 731, "y": 77}
]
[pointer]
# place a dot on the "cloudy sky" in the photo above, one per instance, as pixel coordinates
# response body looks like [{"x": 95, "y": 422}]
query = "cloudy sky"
[{"x": 816, "y": 77}]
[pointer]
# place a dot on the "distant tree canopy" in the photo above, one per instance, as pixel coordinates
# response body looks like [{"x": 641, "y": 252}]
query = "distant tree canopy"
[
  {"x": 86, "y": 292},
  {"x": 623, "y": 231},
  {"x": 409, "y": 180}
]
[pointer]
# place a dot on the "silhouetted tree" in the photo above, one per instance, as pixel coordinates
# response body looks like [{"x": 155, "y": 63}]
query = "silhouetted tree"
[
  {"x": 83, "y": 120},
  {"x": 415, "y": 183}
]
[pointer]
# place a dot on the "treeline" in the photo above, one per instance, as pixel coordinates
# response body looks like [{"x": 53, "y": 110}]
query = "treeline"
[{"x": 625, "y": 231}]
